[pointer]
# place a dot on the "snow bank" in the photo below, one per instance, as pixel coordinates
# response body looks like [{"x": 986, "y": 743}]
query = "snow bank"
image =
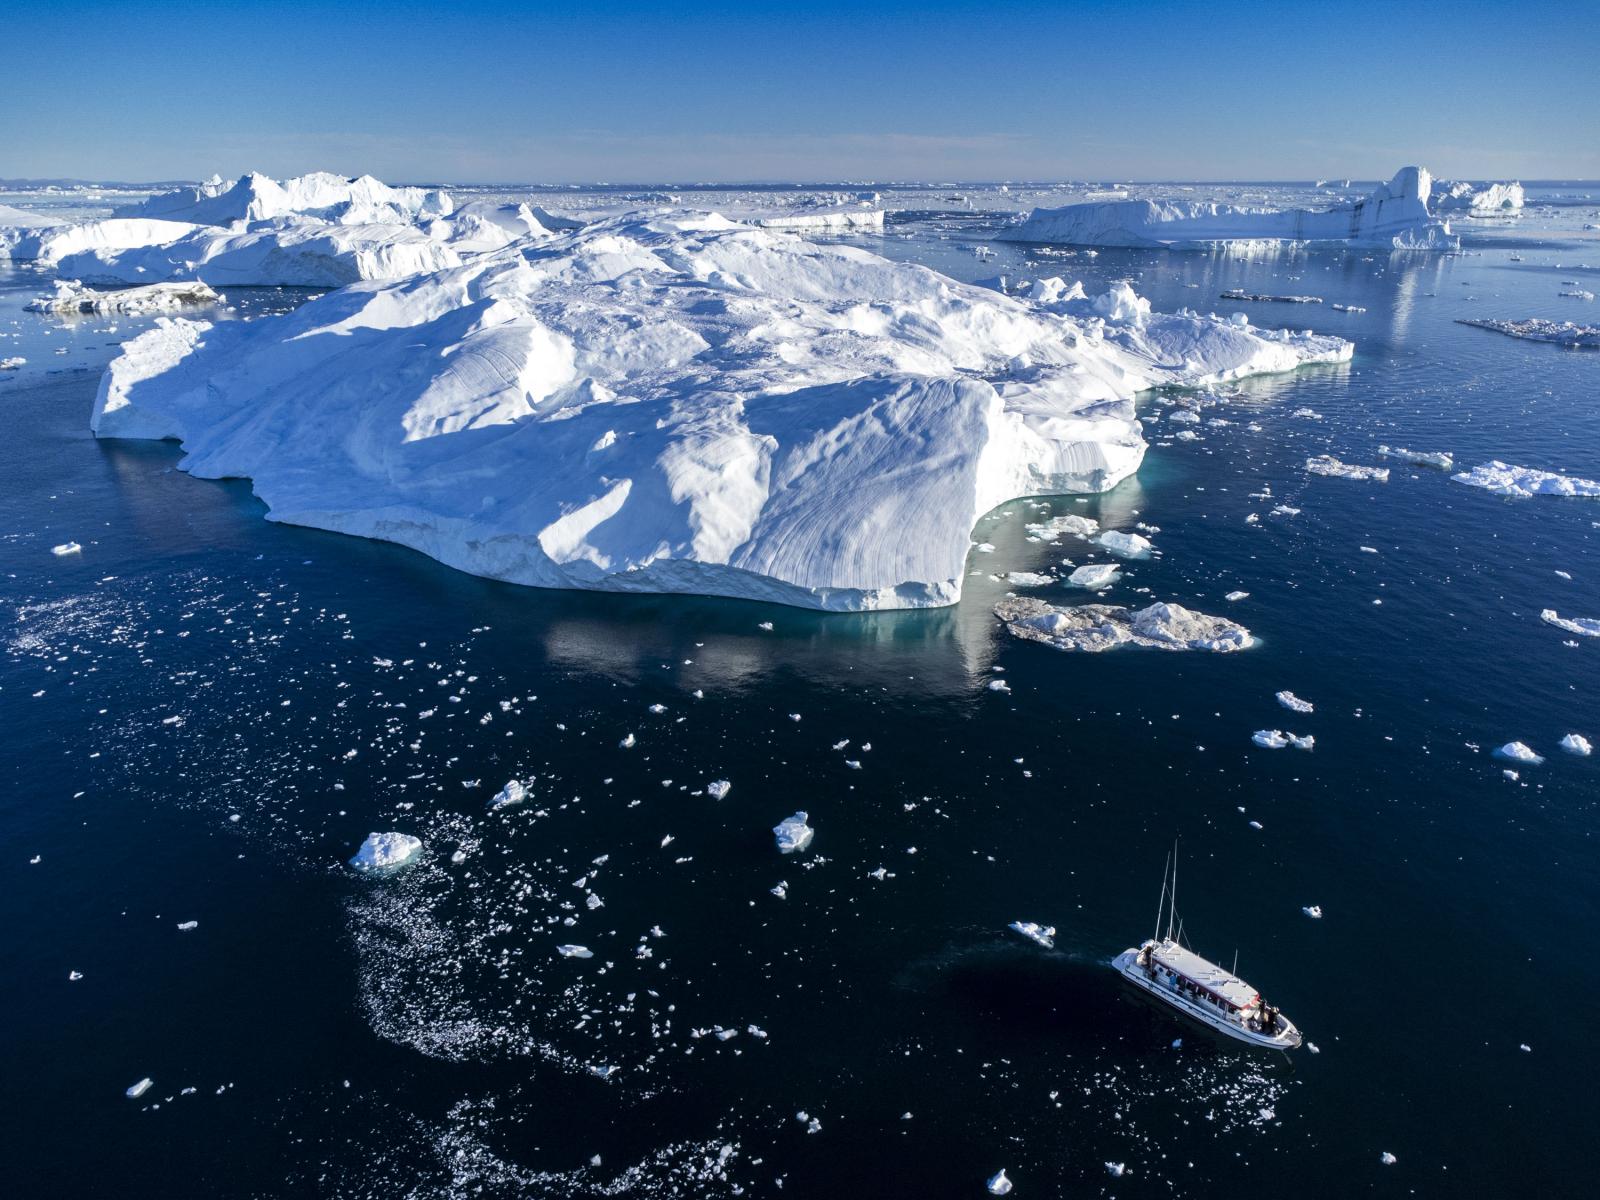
[
  {"x": 322, "y": 195},
  {"x": 1503, "y": 479},
  {"x": 793, "y": 834},
  {"x": 674, "y": 403},
  {"x": 382, "y": 851},
  {"x": 73, "y": 297},
  {"x": 1096, "y": 627},
  {"x": 1394, "y": 216}
]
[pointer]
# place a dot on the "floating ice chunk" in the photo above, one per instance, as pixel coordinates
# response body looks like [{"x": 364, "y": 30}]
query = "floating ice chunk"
[
  {"x": 66, "y": 548},
  {"x": 1421, "y": 458},
  {"x": 1387, "y": 1159},
  {"x": 383, "y": 851},
  {"x": 1563, "y": 333},
  {"x": 1519, "y": 752},
  {"x": 718, "y": 788},
  {"x": 574, "y": 952},
  {"x": 188, "y": 926},
  {"x": 1239, "y": 294},
  {"x": 628, "y": 743},
  {"x": 74, "y": 297},
  {"x": 74, "y": 976},
  {"x": 793, "y": 833},
  {"x": 780, "y": 889},
  {"x": 1576, "y": 743},
  {"x": 1270, "y": 739},
  {"x": 1029, "y": 579},
  {"x": 13, "y": 363},
  {"x": 1095, "y": 576},
  {"x": 1126, "y": 545},
  {"x": 1084, "y": 527},
  {"x": 999, "y": 685},
  {"x": 1327, "y": 464},
  {"x": 765, "y": 626},
  {"x": 139, "y": 1088},
  {"x": 1583, "y": 626},
  {"x": 1234, "y": 597},
  {"x": 1045, "y": 935},
  {"x": 998, "y": 1184},
  {"x": 514, "y": 792},
  {"x": 1116, "y": 1170},
  {"x": 1314, "y": 911},
  {"x": 1096, "y": 627},
  {"x": 658, "y": 709},
  {"x": 1294, "y": 704},
  {"x": 1503, "y": 479},
  {"x": 1349, "y": 308}
]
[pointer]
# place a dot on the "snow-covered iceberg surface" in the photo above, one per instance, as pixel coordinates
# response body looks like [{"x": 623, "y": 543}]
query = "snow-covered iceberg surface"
[
  {"x": 1478, "y": 199},
  {"x": 320, "y": 195},
  {"x": 679, "y": 404},
  {"x": 1394, "y": 216},
  {"x": 74, "y": 297},
  {"x": 1095, "y": 627}
]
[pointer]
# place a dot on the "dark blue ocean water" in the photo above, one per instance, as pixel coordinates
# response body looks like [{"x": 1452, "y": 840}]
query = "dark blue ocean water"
[{"x": 181, "y": 703}]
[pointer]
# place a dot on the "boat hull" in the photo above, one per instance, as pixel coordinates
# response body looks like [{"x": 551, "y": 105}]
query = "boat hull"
[{"x": 1127, "y": 965}]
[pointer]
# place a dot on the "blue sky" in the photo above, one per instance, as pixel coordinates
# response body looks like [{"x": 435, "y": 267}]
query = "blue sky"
[{"x": 478, "y": 91}]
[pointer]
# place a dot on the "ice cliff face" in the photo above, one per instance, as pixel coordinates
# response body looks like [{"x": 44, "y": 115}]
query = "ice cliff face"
[
  {"x": 676, "y": 403},
  {"x": 1394, "y": 216}
]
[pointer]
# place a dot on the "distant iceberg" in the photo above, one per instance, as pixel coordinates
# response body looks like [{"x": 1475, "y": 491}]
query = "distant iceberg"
[
  {"x": 73, "y": 297},
  {"x": 320, "y": 195},
  {"x": 1478, "y": 199},
  {"x": 1394, "y": 216},
  {"x": 677, "y": 403}
]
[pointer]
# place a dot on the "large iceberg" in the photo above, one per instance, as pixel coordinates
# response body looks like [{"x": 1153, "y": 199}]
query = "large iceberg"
[
  {"x": 1478, "y": 199},
  {"x": 321, "y": 195},
  {"x": 1394, "y": 216},
  {"x": 676, "y": 403}
]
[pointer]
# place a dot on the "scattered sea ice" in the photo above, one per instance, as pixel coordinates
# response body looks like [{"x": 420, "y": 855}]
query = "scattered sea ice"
[
  {"x": 1029, "y": 579},
  {"x": 1045, "y": 935},
  {"x": 382, "y": 851},
  {"x": 1503, "y": 479},
  {"x": 1421, "y": 458},
  {"x": 793, "y": 833},
  {"x": 1519, "y": 752},
  {"x": 1096, "y": 627},
  {"x": 1576, "y": 743}
]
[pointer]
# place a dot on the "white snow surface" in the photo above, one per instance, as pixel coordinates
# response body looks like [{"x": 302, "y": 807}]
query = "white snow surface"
[
  {"x": 673, "y": 403},
  {"x": 385, "y": 850},
  {"x": 1503, "y": 479},
  {"x": 320, "y": 195},
  {"x": 1394, "y": 216}
]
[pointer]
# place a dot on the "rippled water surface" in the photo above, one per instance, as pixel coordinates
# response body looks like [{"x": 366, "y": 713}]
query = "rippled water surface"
[{"x": 206, "y": 712}]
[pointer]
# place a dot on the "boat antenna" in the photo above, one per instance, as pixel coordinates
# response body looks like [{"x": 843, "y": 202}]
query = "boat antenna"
[
  {"x": 1236, "y": 962},
  {"x": 1162, "y": 903}
]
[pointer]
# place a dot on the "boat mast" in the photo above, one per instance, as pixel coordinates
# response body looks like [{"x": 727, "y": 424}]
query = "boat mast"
[
  {"x": 1172, "y": 909},
  {"x": 1162, "y": 902}
]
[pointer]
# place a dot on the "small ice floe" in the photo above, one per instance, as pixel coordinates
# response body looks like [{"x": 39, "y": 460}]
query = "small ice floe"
[
  {"x": 793, "y": 833},
  {"x": 66, "y": 548},
  {"x": 574, "y": 952},
  {"x": 1576, "y": 743},
  {"x": 658, "y": 709},
  {"x": 1583, "y": 626},
  {"x": 1116, "y": 1170},
  {"x": 1387, "y": 1159},
  {"x": 765, "y": 626},
  {"x": 74, "y": 976},
  {"x": 1313, "y": 1047},
  {"x": 1235, "y": 597},
  {"x": 1420, "y": 458},
  {"x": 1577, "y": 294},
  {"x": 1125, "y": 545},
  {"x": 1258, "y": 298},
  {"x": 1029, "y": 579},
  {"x": 628, "y": 743},
  {"x": 1049, "y": 531},
  {"x": 780, "y": 889},
  {"x": 1314, "y": 911},
  {"x": 1327, "y": 464},
  {"x": 999, "y": 685},
  {"x": 1307, "y": 414},
  {"x": 188, "y": 926},
  {"x": 385, "y": 851},
  {"x": 73, "y": 297},
  {"x": 1503, "y": 479},
  {"x": 1349, "y": 308},
  {"x": 984, "y": 547},
  {"x": 1294, "y": 704},
  {"x": 1563, "y": 333},
  {"x": 140, "y": 1088},
  {"x": 718, "y": 788},
  {"x": 12, "y": 364},
  {"x": 1519, "y": 752},
  {"x": 1256, "y": 825},
  {"x": 998, "y": 1184},
  {"x": 1511, "y": 775},
  {"x": 1096, "y": 627},
  {"x": 514, "y": 792},
  {"x": 1045, "y": 935},
  {"x": 1095, "y": 576},
  {"x": 1276, "y": 739}
]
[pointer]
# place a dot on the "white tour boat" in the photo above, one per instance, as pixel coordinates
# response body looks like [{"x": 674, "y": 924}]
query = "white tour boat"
[{"x": 1200, "y": 989}]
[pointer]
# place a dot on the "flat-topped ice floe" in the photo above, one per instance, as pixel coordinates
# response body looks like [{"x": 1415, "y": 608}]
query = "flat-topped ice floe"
[
  {"x": 1420, "y": 458},
  {"x": 1536, "y": 329},
  {"x": 1582, "y": 626},
  {"x": 1503, "y": 479},
  {"x": 1394, "y": 216},
  {"x": 73, "y": 297},
  {"x": 1096, "y": 627},
  {"x": 1327, "y": 464},
  {"x": 385, "y": 851},
  {"x": 677, "y": 404}
]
